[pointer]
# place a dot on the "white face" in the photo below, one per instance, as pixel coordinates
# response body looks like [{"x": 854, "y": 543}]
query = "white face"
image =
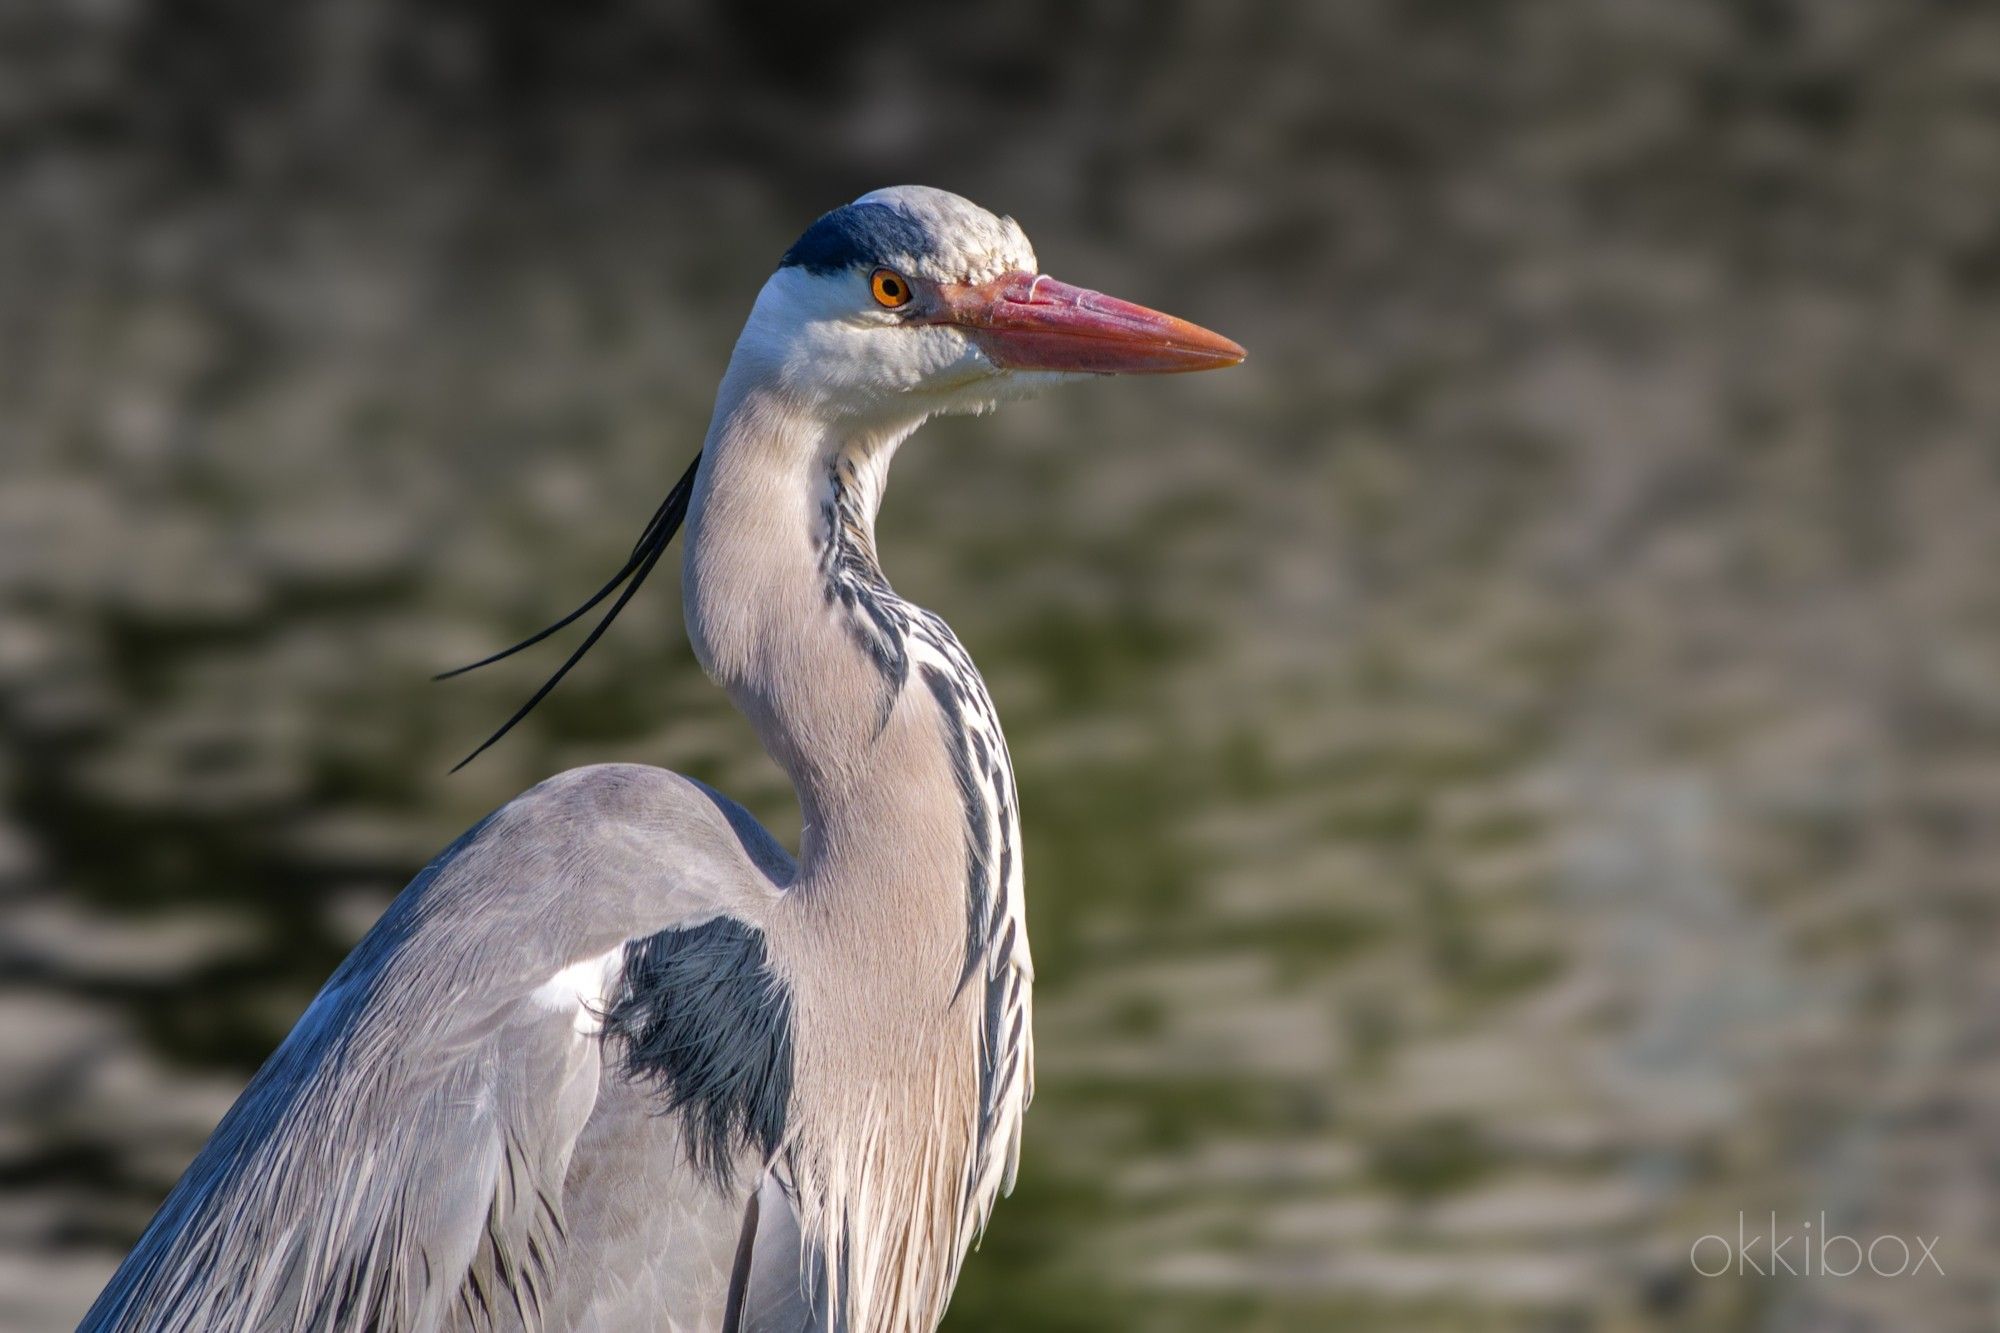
[
  {"x": 830, "y": 341},
  {"x": 911, "y": 302}
]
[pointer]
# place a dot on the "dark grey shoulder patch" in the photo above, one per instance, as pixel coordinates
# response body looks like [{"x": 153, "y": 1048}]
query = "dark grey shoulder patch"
[
  {"x": 702, "y": 1017},
  {"x": 854, "y": 236}
]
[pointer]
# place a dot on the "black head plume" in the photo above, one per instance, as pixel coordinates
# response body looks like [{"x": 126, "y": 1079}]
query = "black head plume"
[{"x": 652, "y": 543}]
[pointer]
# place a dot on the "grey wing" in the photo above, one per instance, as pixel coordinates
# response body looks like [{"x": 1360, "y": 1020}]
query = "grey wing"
[
  {"x": 743, "y": 1261},
  {"x": 404, "y": 1160},
  {"x": 782, "y": 1288},
  {"x": 627, "y": 1191}
]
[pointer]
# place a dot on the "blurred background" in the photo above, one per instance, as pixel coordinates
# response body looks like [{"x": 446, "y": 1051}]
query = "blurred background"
[{"x": 1511, "y": 774}]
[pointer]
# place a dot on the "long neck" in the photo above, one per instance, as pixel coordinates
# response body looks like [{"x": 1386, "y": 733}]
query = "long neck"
[
  {"x": 909, "y": 878},
  {"x": 788, "y": 610}
]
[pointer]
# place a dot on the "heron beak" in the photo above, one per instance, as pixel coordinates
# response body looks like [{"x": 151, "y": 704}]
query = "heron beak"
[{"x": 1026, "y": 321}]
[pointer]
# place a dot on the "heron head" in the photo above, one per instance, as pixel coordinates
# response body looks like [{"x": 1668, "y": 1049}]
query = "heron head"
[
  {"x": 911, "y": 302},
  {"x": 907, "y": 303}
]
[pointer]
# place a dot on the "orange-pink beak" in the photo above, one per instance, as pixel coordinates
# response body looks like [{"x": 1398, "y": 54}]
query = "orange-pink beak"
[{"x": 1025, "y": 321}]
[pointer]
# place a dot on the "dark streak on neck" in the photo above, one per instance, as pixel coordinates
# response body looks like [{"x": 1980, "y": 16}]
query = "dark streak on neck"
[
  {"x": 950, "y": 696},
  {"x": 877, "y": 618}
]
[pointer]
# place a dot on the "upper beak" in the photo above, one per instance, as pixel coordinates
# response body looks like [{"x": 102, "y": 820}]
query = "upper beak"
[{"x": 1025, "y": 321}]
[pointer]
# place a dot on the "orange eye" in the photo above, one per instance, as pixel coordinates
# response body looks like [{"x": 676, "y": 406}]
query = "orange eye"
[{"x": 891, "y": 288}]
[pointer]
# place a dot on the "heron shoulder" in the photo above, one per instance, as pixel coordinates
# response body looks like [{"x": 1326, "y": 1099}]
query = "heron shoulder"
[
  {"x": 657, "y": 805},
  {"x": 612, "y": 852}
]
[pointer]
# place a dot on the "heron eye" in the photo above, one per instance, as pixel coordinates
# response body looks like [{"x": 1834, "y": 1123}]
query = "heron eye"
[{"x": 891, "y": 288}]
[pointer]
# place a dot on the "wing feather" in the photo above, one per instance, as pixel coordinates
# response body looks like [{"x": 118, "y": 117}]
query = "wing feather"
[{"x": 404, "y": 1160}]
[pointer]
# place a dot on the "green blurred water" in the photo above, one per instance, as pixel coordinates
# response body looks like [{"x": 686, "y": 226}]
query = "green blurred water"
[{"x": 1508, "y": 775}]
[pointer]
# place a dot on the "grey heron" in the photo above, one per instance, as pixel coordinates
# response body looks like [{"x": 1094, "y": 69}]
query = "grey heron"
[{"x": 615, "y": 1060}]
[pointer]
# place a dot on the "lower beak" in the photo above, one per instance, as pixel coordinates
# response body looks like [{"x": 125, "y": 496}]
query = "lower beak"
[{"x": 1024, "y": 321}]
